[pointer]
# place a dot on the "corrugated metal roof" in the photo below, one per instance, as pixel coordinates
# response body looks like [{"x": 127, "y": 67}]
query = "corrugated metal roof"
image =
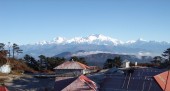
[
  {"x": 89, "y": 82},
  {"x": 62, "y": 82},
  {"x": 72, "y": 65},
  {"x": 163, "y": 80},
  {"x": 82, "y": 83},
  {"x": 139, "y": 80},
  {"x": 3, "y": 88},
  {"x": 114, "y": 71}
]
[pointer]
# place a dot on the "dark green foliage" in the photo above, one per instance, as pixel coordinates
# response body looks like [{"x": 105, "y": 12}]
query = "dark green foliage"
[
  {"x": 16, "y": 49},
  {"x": 166, "y": 55},
  {"x": 31, "y": 62},
  {"x": 116, "y": 62},
  {"x": 157, "y": 60},
  {"x": 45, "y": 63},
  {"x": 52, "y": 62},
  {"x": 81, "y": 59},
  {"x": 2, "y": 45},
  {"x": 109, "y": 63},
  {"x": 42, "y": 62},
  {"x": 165, "y": 64}
]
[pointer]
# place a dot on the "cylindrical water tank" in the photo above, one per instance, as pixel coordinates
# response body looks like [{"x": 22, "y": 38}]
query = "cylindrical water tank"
[{"x": 5, "y": 68}]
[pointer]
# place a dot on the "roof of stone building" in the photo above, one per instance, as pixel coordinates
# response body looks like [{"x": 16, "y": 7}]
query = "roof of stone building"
[{"x": 72, "y": 65}]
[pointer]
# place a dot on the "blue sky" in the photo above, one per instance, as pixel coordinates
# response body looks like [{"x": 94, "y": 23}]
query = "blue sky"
[{"x": 30, "y": 21}]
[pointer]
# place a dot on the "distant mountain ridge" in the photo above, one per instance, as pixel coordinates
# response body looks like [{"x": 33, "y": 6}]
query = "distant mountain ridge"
[
  {"x": 101, "y": 43},
  {"x": 98, "y": 58}
]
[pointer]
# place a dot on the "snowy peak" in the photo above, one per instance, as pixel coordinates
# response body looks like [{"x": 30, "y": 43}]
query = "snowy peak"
[
  {"x": 102, "y": 38},
  {"x": 92, "y": 39},
  {"x": 41, "y": 42},
  {"x": 97, "y": 39},
  {"x": 58, "y": 40}
]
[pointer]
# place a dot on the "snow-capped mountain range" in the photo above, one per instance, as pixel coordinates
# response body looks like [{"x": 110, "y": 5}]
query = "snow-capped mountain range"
[
  {"x": 94, "y": 43},
  {"x": 92, "y": 39}
]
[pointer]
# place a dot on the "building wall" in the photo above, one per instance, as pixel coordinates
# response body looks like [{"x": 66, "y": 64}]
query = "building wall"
[
  {"x": 126, "y": 64},
  {"x": 86, "y": 71},
  {"x": 69, "y": 72}
]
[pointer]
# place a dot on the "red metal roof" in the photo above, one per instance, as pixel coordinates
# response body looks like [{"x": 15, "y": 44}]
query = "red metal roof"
[
  {"x": 82, "y": 83},
  {"x": 89, "y": 82},
  {"x": 72, "y": 65},
  {"x": 163, "y": 80},
  {"x": 3, "y": 88}
]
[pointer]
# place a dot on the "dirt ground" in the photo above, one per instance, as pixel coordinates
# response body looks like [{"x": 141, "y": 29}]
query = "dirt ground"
[
  {"x": 27, "y": 83},
  {"x": 30, "y": 83}
]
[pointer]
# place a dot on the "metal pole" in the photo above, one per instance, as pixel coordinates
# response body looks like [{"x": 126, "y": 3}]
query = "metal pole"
[{"x": 9, "y": 49}]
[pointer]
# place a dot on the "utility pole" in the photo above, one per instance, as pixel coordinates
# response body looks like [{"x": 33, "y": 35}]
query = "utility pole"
[{"x": 9, "y": 51}]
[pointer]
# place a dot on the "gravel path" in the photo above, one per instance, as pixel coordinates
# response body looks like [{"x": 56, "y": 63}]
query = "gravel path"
[{"x": 29, "y": 83}]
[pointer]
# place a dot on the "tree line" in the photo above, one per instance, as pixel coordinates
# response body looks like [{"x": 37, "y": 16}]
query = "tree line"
[
  {"x": 40, "y": 64},
  {"x": 162, "y": 61},
  {"x": 16, "y": 50},
  {"x": 48, "y": 63},
  {"x": 116, "y": 62}
]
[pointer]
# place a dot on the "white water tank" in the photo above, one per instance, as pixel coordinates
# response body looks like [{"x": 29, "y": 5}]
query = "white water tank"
[
  {"x": 126, "y": 64},
  {"x": 136, "y": 64},
  {"x": 5, "y": 69}
]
